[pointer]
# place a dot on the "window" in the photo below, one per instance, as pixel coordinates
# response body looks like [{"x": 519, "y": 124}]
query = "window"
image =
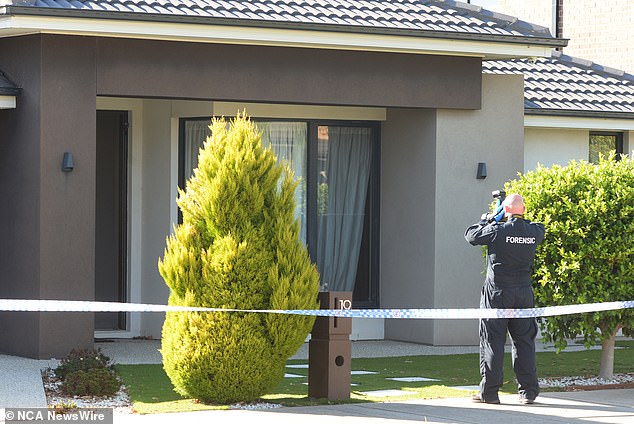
[
  {"x": 337, "y": 199},
  {"x": 604, "y": 144}
]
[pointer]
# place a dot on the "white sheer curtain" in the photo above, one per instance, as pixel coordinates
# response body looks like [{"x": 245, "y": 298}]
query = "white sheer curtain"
[
  {"x": 288, "y": 141},
  {"x": 196, "y": 132},
  {"x": 345, "y": 156}
]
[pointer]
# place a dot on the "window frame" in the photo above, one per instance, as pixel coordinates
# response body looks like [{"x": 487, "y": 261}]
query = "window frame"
[{"x": 619, "y": 145}]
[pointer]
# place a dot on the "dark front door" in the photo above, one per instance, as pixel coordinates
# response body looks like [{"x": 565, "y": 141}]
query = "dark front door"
[{"x": 111, "y": 216}]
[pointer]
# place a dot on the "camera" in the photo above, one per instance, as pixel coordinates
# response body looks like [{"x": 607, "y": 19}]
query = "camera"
[
  {"x": 499, "y": 195},
  {"x": 498, "y": 214}
]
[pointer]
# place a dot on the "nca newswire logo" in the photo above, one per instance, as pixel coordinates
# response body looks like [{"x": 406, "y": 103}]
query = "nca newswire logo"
[{"x": 45, "y": 415}]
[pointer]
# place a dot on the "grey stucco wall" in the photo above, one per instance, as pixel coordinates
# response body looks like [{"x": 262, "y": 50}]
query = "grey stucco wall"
[
  {"x": 408, "y": 179},
  {"x": 156, "y": 205},
  {"x": 50, "y": 225},
  {"x": 144, "y": 68},
  {"x": 19, "y": 191},
  {"x": 495, "y": 135}
]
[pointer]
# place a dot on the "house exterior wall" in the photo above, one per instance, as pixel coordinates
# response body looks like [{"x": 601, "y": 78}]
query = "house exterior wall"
[
  {"x": 62, "y": 76},
  {"x": 49, "y": 208},
  {"x": 600, "y": 31},
  {"x": 493, "y": 135},
  {"x": 142, "y": 68},
  {"x": 19, "y": 216},
  {"x": 408, "y": 214},
  {"x": 540, "y": 12},
  {"x": 428, "y": 168},
  {"x": 157, "y": 203},
  {"x": 550, "y": 146}
]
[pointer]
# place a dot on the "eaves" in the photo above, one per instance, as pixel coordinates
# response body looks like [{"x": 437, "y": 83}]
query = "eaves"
[
  {"x": 572, "y": 119},
  {"x": 19, "y": 20}
]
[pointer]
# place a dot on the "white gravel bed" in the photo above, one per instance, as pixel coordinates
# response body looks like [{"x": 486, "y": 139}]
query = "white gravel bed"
[
  {"x": 585, "y": 381},
  {"x": 255, "y": 406}
]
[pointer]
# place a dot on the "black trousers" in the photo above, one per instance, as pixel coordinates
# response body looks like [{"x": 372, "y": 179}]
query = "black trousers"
[{"x": 493, "y": 337}]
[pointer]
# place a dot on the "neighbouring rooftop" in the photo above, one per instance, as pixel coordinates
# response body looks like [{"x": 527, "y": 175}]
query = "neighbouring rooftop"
[{"x": 565, "y": 85}]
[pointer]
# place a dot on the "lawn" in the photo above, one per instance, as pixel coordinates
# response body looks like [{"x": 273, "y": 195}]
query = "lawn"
[{"x": 151, "y": 391}]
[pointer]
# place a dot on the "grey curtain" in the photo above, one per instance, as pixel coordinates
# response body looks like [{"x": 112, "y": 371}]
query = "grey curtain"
[{"x": 342, "y": 194}]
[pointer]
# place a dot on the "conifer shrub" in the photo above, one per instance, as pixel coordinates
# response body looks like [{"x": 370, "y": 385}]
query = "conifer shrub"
[{"x": 238, "y": 246}]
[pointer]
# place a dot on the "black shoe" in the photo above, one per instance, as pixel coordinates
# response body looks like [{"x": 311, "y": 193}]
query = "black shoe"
[
  {"x": 478, "y": 399},
  {"x": 526, "y": 401}
]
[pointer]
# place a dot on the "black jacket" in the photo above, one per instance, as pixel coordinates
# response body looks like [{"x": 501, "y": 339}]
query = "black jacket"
[{"x": 511, "y": 249}]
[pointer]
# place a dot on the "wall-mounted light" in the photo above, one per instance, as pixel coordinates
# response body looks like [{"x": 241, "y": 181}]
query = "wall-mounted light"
[
  {"x": 67, "y": 163},
  {"x": 482, "y": 171}
]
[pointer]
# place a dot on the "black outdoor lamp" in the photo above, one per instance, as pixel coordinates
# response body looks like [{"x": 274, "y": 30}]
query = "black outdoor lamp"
[
  {"x": 482, "y": 171},
  {"x": 67, "y": 163}
]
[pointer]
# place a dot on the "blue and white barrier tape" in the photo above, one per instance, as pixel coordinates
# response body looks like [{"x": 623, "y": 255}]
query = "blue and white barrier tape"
[{"x": 24, "y": 305}]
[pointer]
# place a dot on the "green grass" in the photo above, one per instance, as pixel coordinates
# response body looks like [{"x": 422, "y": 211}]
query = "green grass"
[{"x": 151, "y": 391}]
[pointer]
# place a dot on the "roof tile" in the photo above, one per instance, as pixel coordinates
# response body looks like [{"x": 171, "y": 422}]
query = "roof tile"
[
  {"x": 422, "y": 15},
  {"x": 566, "y": 84}
]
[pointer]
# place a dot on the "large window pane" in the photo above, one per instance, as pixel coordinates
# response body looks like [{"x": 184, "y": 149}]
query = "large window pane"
[
  {"x": 344, "y": 159},
  {"x": 337, "y": 204},
  {"x": 287, "y": 140},
  {"x": 603, "y": 145},
  {"x": 196, "y": 132}
]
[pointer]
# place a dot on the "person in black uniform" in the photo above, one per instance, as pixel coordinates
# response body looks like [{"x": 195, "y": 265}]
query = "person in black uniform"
[{"x": 511, "y": 247}]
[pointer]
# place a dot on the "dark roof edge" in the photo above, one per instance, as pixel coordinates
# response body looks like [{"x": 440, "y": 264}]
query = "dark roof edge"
[
  {"x": 185, "y": 19},
  {"x": 7, "y": 88},
  {"x": 578, "y": 113},
  {"x": 588, "y": 64}
]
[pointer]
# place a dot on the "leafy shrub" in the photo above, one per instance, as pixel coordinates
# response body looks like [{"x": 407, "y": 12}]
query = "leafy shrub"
[
  {"x": 238, "y": 247},
  {"x": 588, "y": 252},
  {"x": 93, "y": 382},
  {"x": 82, "y": 359}
]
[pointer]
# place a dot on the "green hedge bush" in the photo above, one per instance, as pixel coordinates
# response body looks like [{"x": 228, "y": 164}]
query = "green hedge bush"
[
  {"x": 588, "y": 252},
  {"x": 237, "y": 247}
]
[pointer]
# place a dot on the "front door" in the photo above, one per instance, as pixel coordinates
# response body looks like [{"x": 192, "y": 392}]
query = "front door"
[{"x": 111, "y": 233}]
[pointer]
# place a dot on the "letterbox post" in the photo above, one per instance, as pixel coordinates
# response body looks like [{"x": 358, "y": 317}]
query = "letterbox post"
[{"x": 330, "y": 350}]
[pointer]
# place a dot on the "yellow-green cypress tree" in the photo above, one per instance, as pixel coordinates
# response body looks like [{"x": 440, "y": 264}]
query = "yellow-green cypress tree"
[{"x": 237, "y": 247}]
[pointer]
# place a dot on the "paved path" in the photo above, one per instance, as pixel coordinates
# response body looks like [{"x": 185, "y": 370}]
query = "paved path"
[
  {"x": 604, "y": 406},
  {"x": 21, "y": 382}
]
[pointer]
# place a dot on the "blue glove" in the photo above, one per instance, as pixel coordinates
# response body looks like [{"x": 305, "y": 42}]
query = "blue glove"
[{"x": 499, "y": 214}]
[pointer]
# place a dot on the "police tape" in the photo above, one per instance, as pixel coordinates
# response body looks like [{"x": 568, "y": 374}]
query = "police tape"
[{"x": 30, "y": 305}]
